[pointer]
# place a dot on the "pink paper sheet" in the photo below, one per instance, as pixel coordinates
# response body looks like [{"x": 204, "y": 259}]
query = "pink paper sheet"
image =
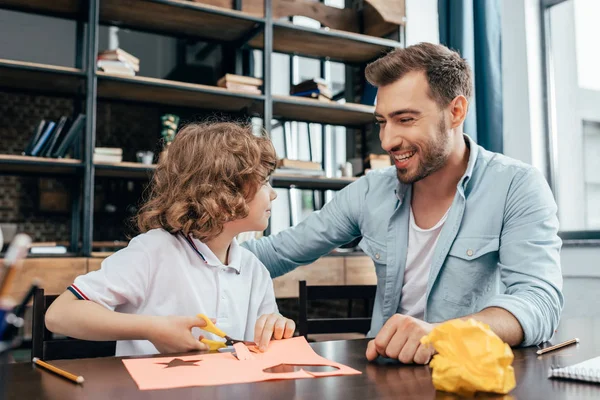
[{"x": 224, "y": 368}]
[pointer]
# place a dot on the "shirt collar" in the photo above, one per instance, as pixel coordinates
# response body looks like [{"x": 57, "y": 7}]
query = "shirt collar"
[
  {"x": 474, "y": 152},
  {"x": 464, "y": 180},
  {"x": 213, "y": 260}
]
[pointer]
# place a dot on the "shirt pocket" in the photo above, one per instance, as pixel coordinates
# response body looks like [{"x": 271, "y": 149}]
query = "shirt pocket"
[
  {"x": 469, "y": 268},
  {"x": 378, "y": 253}
]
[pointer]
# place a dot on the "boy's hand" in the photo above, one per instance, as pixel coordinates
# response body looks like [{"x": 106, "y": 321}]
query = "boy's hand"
[
  {"x": 272, "y": 326},
  {"x": 173, "y": 334}
]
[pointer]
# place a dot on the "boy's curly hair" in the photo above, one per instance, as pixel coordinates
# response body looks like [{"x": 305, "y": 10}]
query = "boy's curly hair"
[{"x": 209, "y": 174}]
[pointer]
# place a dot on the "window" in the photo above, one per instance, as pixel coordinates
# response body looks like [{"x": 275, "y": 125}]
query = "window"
[{"x": 573, "y": 89}]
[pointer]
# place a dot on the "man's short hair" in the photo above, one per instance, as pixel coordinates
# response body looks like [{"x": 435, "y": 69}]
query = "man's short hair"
[{"x": 447, "y": 72}]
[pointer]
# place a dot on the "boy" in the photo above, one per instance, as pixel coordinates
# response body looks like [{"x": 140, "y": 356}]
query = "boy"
[{"x": 212, "y": 185}]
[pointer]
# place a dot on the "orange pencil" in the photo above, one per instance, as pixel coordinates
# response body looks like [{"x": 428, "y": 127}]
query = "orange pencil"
[{"x": 58, "y": 371}]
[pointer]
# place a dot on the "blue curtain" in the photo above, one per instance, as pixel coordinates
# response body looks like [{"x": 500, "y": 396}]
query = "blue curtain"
[{"x": 473, "y": 28}]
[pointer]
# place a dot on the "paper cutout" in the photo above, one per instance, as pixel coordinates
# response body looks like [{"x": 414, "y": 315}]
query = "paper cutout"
[
  {"x": 178, "y": 362},
  {"x": 225, "y": 368},
  {"x": 471, "y": 358},
  {"x": 242, "y": 353}
]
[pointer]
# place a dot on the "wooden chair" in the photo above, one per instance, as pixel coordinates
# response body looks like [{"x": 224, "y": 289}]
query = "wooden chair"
[
  {"x": 46, "y": 347},
  {"x": 350, "y": 324}
]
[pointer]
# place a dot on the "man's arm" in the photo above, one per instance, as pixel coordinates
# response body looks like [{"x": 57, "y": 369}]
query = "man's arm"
[
  {"x": 337, "y": 223},
  {"x": 529, "y": 263},
  {"x": 503, "y": 323}
]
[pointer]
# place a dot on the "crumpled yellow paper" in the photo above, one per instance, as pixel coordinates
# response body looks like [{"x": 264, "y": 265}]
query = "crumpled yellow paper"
[{"x": 470, "y": 358}]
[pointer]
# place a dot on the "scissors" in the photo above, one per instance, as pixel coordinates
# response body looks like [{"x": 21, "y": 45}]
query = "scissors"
[{"x": 214, "y": 344}]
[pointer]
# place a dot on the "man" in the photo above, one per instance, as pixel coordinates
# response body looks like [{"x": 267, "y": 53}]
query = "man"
[{"x": 455, "y": 231}]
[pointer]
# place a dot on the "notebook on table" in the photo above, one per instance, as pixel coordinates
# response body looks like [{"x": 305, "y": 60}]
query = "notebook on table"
[{"x": 588, "y": 371}]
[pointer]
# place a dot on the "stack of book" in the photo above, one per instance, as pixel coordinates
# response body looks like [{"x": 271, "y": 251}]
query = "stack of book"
[
  {"x": 108, "y": 155},
  {"x": 315, "y": 88},
  {"x": 239, "y": 83},
  {"x": 54, "y": 139},
  {"x": 299, "y": 167},
  {"x": 118, "y": 62}
]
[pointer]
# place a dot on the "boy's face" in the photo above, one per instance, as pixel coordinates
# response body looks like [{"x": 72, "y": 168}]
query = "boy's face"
[{"x": 260, "y": 209}]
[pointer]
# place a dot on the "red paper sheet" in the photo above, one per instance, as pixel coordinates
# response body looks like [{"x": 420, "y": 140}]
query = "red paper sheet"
[{"x": 225, "y": 368}]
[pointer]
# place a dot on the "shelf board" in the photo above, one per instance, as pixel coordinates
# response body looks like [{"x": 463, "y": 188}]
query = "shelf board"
[
  {"x": 180, "y": 18},
  {"x": 311, "y": 110},
  {"x": 124, "y": 170},
  {"x": 56, "y": 8},
  {"x": 40, "y": 77},
  {"x": 15, "y": 164},
  {"x": 325, "y": 43},
  {"x": 161, "y": 91},
  {"x": 279, "y": 180},
  {"x": 142, "y": 171}
]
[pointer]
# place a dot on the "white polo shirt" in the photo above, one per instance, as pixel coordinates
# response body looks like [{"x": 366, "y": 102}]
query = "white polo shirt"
[{"x": 161, "y": 274}]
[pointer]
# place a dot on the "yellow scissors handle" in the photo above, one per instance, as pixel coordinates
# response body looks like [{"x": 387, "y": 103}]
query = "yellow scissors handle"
[
  {"x": 213, "y": 345},
  {"x": 210, "y": 326}
]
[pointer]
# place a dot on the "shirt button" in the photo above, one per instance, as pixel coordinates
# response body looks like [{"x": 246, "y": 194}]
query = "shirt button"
[
  {"x": 469, "y": 252},
  {"x": 377, "y": 256}
]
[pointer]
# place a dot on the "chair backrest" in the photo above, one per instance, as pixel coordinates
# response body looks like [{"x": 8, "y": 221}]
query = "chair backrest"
[
  {"x": 333, "y": 325},
  {"x": 46, "y": 347}
]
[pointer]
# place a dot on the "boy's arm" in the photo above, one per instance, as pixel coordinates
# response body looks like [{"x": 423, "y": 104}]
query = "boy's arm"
[
  {"x": 85, "y": 311},
  {"x": 84, "y": 319}
]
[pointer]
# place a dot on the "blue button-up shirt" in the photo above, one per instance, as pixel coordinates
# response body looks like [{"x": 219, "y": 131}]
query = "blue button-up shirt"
[{"x": 498, "y": 247}]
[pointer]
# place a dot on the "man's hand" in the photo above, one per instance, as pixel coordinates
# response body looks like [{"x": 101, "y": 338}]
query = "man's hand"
[
  {"x": 173, "y": 334},
  {"x": 400, "y": 338},
  {"x": 272, "y": 325}
]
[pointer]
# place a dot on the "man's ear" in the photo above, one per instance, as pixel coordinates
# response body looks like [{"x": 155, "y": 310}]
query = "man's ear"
[{"x": 458, "y": 110}]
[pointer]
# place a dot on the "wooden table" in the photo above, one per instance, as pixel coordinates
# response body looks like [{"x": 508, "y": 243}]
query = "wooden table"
[{"x": 107, "y": 378}]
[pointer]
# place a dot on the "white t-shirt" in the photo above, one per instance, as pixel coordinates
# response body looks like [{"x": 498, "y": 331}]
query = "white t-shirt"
[
  {"x": 421, "y": 245},
  {"x": 161, "y": 274}
]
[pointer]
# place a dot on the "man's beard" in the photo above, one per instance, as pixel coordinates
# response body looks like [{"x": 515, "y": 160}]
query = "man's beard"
[{"x": 432, "y": 157}]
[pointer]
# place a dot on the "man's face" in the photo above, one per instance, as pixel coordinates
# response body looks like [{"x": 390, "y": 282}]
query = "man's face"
[{"x": 413, "y": 129}]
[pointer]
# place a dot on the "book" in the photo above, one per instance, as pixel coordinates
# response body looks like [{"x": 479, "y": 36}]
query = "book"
[
  {"x": 118, "y": 55},
  {"x": 48, "y": 250},
  {"x": 588, "y": 371},
  {"x": 43, "y": 138},
  {"x": 376, "y": 161},
  {"x": 312, "y": 85},
  {"x": 314, "y": 94},
  {"x": 241, "y": 88},
  {"x": 107, "y": 158},
  {"x": 109, "y": 151},
  {"x": 117, "y": 69},
  {"x": 298, "y": 164},
  {"x": 56, "y": 133},
  {"x": 243, "y": 80},
  {"x": 39, "y": 129},
  {"x": 67, "y": 139},
  {"x": 117, "y": 64},
  {"x": 299, "y": 171}
]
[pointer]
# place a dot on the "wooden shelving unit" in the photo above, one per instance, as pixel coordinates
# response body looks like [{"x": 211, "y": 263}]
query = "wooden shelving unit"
[
  {"x": 310, "y": 110},
  {"x": 279, "y": 180},
  {"x": 179, "y": 18},
  {"x": 56, "y": 8},
  {"x": 189, "y": 20},
  {"x": 26, "y": 165},
  {"x": 152, "y": 90},
  {"x": 321, "y": 43},
  {"x": 41, "y": 78}
]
